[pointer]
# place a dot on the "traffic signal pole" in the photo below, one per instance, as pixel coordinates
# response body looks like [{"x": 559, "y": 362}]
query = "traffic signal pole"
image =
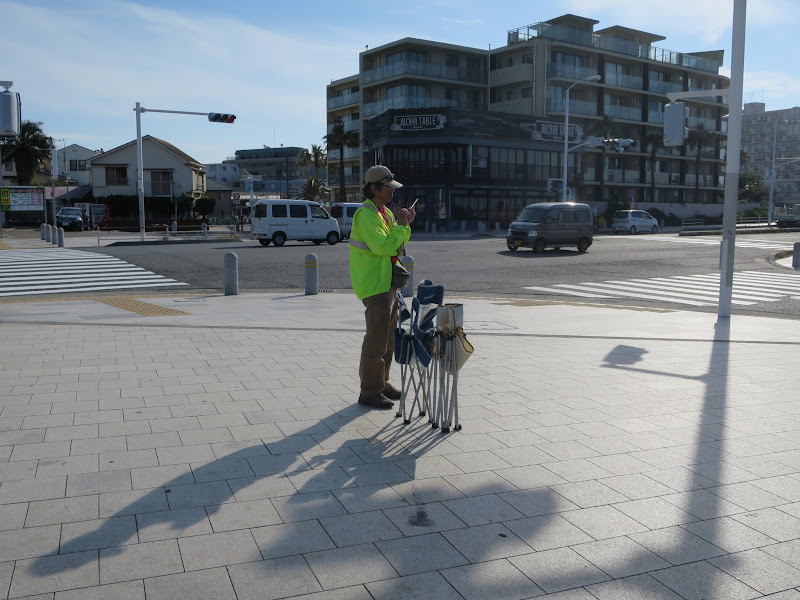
[{"x": 139, "y": 109}]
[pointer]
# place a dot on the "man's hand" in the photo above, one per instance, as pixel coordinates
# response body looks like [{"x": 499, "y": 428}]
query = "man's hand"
[{"x": 406, "y": 216}]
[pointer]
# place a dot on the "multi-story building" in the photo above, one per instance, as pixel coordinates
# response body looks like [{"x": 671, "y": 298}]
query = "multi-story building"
[
  {"x": 73, "y": 163},
  {"x": 773, "y": 138},
  {"x": 273, "y": 171},
  {"x": 476, "y": 134}
]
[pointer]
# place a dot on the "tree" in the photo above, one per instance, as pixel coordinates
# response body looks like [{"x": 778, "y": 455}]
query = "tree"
[
  {"x": 752, "y": 188},
  {"x": 29, "y": 150},
  {"x": 655, "y": 141},
  {"x": 339, "y": 139},
  {"x": 699, "y": 137},
  {"x": 315, "y": 158},
  {"x": 204, "y": 205},
  {"x": 314, "y": 190},
  {"x": 607, "y": 129}
]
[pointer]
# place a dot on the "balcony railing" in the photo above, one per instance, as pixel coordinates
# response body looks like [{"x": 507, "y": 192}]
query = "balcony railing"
[
  {"x": 349, "y": 179},
  {"x": 626, "y": 81},
  {"x": 420, "y": 69},
  {"x": 664, "y": 87},
  {"x": 632, "y": 113},
  {"x": 570, "y": 71},
  {"x": 349, "y": 154},
  {"x": 576, "y": 107},
  {"x": 344, "y": 100},
  {"x": 374, "y": 108},
  {"x": 655, "y": 117},
  {"x": 611, "y": 44}
]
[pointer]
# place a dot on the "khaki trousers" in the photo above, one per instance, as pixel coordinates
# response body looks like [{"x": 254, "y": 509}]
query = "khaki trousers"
[{"x": 378, "y": 347}]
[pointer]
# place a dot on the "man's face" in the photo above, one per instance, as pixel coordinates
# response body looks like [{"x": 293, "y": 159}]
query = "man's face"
[{"x": 384, "y": 194}]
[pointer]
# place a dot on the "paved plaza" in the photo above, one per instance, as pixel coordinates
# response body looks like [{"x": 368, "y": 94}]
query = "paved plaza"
[{"x": 181, "y": 447}]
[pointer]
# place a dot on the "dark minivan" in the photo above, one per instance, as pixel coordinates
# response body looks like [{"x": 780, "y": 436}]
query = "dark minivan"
[{"x": 553, "y": 224}]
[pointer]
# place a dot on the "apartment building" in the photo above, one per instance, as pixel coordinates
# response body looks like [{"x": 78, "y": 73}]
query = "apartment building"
[
  {"x": 768, "y": 134},
  {"x": 273, "y": 171},
  {"x": 478, "y": 133}
]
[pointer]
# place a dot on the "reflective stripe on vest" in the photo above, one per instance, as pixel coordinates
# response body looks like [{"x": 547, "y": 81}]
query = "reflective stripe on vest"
[{"x": 358, "y": 244}]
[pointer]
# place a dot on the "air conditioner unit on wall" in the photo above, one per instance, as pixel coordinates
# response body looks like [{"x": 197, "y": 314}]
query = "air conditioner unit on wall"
[{"x": 196, "y": 195}]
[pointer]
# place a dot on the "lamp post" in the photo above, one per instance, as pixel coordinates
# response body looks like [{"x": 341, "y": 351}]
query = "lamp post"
[{"x": 566, "y": 133}]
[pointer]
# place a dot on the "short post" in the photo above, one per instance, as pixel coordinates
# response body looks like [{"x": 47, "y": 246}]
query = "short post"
[
  {"x": 98, "y": 236},
  {"x": 60, "y": 237},
  {"x": 796, "y": 256},
  {"x": 233, "y": 230},
  {"x": 174, "y": 227},
  {"x": 312, "y": 282},
  {"x": 427, "y": 227},
  {"x": 463, "y": 226},
  {"x": 47, "y": 232},
  {"x": 481, "y": 227},
  {"x": 231, "y": 274},
  {"x": 44, "y": 236},
  {"x": 204, "y": 229},
  {"x": 497, "y": 228},
  {"x": 433, "y": 229},
  {"x": 54, "y": 235},
  {"x": 408, "y": 263}
]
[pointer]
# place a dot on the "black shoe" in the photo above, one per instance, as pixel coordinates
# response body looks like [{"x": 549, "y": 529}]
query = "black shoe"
[
  {"x": 376, "y": 401},
  {"x": 392, "y": 393}
]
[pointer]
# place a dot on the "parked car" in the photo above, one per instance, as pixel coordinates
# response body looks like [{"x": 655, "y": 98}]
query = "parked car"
[
  {"x": 634, "y": 221},
  {"x": 72, "y": 217},
  {"x": 554, "y": 224},
  {"x": 343, "y": 212},
  {"x": 277, "y": 220}
]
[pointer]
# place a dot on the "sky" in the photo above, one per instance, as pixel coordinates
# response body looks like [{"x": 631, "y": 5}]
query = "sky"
[{"x": 80, "y": 66}]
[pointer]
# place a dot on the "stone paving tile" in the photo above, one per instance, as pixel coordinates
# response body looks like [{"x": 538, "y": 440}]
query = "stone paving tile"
[
  {"x": 423, "y": 519},
  {"x": 654, "y": 513},
  {"x": 44, "y": 450},
  {"x": 559, "y": 569},
  {"x": 209, "y": 583},
  {"x": 421, "y": 554},
  {"x": 489, "y": 482},
  {"x": 272, "y": 579},
  {"x": 218, "y": 549},
  {"x": 99, "y": 533},
  {"x": 258, "y": 488},
  {"x": 729, "y": 534},
  {"x": 359, "y": 528},
  {"x": 85, "y": 484},
  {"x": 702, "y": 581},
  {"x": 677, "y": 545},
  {"x": 373, "y": 497},
  {"x": 29, "y": 542},
  {"x": 547, "y": 532},
  {"x": 486, "y": 542},
  {"x": 98, "y": 446},
  {"x": 273, "y": 464},
  {"x": 12, "y": 516},
  {"x": 586, "y": 494},
  {"x": 276, "y": 541},
  {"x": 198, "y": 494},
  {"x": 759, "y": 570},
  {"x": 620, "y": 557},
  {"x": 788, "y": 552},
  {"x": 45, "y": 488},
  {"x": 146, "y": 441},
  {"x": 638, "y": 587},
  {"x": 242, "y": 515},
  {"x": 603, "y": 522},
  {"x": 432, "y": 489},
  {"x": 184, "y": 454},
  {"x": 62, "y": 510},
  {"x": 497, "y": 579},
  {"x": 636, "y": 486},
  {"x": 308, "y": 506},
  {"x": 480, "y": 510},
  {"x": 136, "y": 501},
  {"x": 358, "y": 592},
  {"x": 769, "y": 521},
  {"x": 129, "y": 590},
  {"x": 216, "y": 470},
  {"x": 138, "y": 561},
  {"x": 349, "y": 566},
  {"x": 115, "y": 461},
  {"x": 171, "y": 524},
  {"x": 55, "y": 573},
  {"x": 15, "y": 471}
]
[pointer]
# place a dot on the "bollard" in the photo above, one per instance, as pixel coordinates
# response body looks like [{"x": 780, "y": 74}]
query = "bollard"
[
  {"x": 408, "y": 263},
  {"x": 205, "y": 229},
  {"x": 47, "y": 232},
  {"x": 233, "y": 230},
  {"x": 174, "y": 227},
  {"x": 497, "y": 228},
  {"x": 231, "y": 274},
  {"x": 54, "y": 235},
  {"x": 796, "y": 256},
  {"x": 433, "y": 229},
  {"x": 463, "y": 226},
  {"x": 312, "y": 284},
  {"x": 427, "y": 227},
  {"x": 60, "y": 237},
  {"x": 42, "y": 232},
  {"x": 481, "y": 227}
]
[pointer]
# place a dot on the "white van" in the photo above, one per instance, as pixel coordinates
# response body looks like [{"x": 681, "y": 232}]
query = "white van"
[
  {"x": 277, "y": 220},
  {"x": 343, "y": 213}
]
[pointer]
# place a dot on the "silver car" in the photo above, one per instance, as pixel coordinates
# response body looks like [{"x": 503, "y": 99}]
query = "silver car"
[{"x": 634, "y": 221}]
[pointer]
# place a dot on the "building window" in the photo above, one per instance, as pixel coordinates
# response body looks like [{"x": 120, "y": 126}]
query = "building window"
[
  {"x": 527, "y": 92},
  {"x": 527, "y": 59},
  {"x": 73, "y": 165},
  {"x": 116, "y": 176},
  {"x": 161, "y": 183},
  {"x": 451, "y": 60},
  {"x": 81, "y": 165}
]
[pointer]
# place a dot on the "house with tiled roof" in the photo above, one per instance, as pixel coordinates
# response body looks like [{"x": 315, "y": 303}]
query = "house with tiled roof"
[{"x": 168, "y": 171}]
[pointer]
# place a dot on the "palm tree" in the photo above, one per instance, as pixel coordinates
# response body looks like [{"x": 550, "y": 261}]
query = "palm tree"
[
  {"x": 29, "y": 150},
  {"x": 315, "y": 158},
  {"x": 655, "y": 141},
  {"x": 339, "y": 139},
  {"x": 699, "y": 137},
  {"x": 314, "y": 190},
  {"x": 605, "y": 128}
]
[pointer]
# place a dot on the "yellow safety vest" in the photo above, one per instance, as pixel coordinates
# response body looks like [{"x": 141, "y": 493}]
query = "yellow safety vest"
[{"x": 372, "y": 244}]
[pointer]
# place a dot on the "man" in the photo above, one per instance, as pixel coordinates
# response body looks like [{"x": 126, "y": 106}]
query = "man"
[{"x": 375, "y": 240}]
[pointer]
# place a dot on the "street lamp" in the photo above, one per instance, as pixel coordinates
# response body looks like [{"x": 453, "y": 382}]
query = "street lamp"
[{"x": 566, "y": 133}]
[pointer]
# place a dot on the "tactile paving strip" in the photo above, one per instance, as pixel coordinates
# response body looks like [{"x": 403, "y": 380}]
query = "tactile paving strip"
[{"x": 123, "y": 302}]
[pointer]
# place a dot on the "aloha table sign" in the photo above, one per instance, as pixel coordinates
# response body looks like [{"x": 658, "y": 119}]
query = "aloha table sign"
[
  {"x": 551, "y": 131},
  {"x": 418, "y": 122}
]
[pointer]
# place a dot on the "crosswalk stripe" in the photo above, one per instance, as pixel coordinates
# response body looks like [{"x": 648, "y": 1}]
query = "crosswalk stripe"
[
  {"x": 53, "y": 271},
  {"x": 749, "y": 287},
  {"x": 741, "y": 241}
]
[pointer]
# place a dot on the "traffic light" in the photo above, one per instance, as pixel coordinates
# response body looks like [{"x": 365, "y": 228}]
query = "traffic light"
[
  {"x": 675, "y": 130},
  {"x": 221, "y": 118},
  {"x": 10, "y": 115}
]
